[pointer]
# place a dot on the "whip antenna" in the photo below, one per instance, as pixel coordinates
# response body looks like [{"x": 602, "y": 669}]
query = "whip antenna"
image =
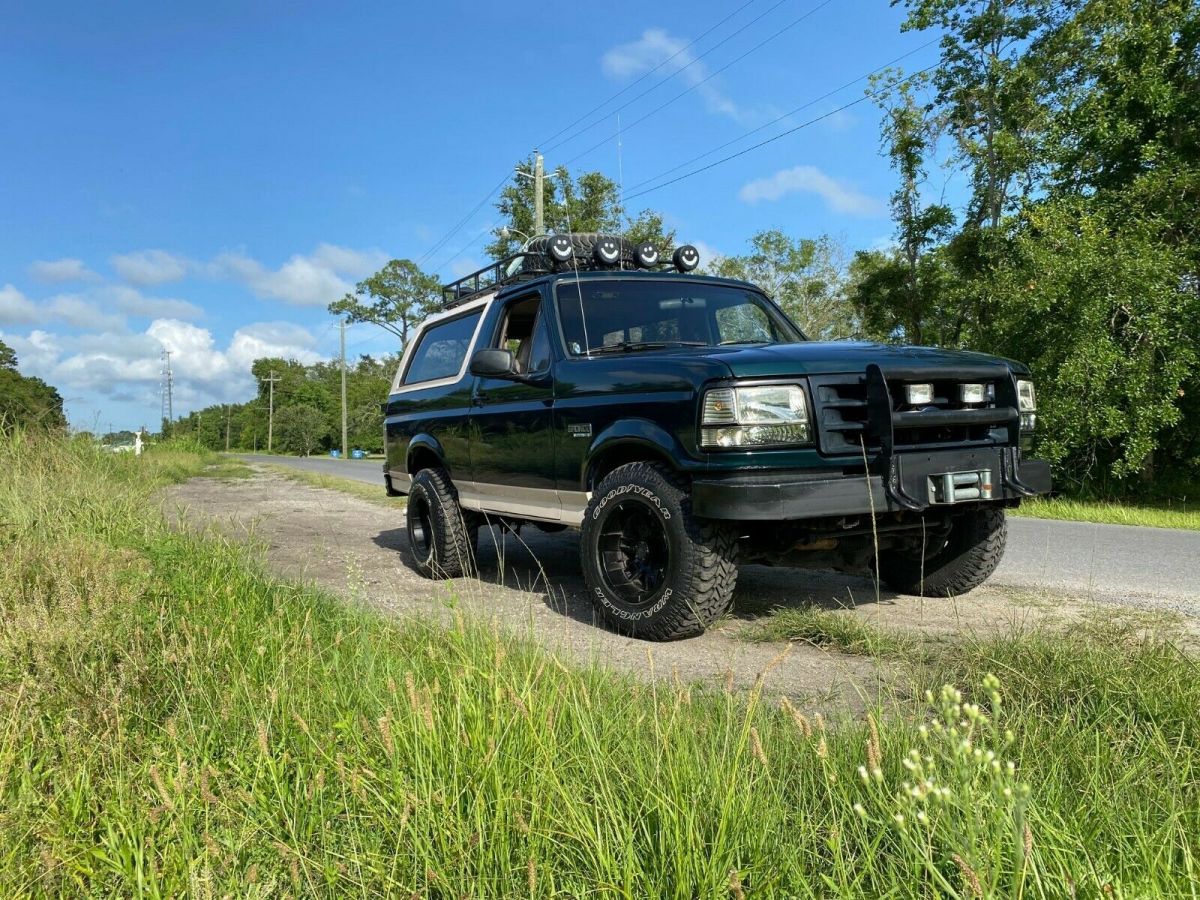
[{"x": 566, "y": 177}]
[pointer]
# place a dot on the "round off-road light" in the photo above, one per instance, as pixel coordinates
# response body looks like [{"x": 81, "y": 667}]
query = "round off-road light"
[
  {"x": 560, "y": 247},
  {"x": 686, "y": 258},
  {"x": 607, "y": 251},
  {"x": 646, "y": 255}
]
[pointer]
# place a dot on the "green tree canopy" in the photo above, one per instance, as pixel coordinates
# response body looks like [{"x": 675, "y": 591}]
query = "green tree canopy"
[
  {"x": 1077, "y": 127},
  {"x": 395, "y": 298},
  {"x": 302, "y": 428},
  {"x": 25, "y": 401},
  {"x": 588, "y": 202},
  {"x": 802, "y": 275}
]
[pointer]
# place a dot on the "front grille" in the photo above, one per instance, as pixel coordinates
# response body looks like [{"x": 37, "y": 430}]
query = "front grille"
[
  {"x": 841, "y": 413},
  {"x": 843, "y": 419}
]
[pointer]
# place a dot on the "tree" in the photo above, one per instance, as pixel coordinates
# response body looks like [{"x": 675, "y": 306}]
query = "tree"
[
  {"x": 1112, "y": 245},
  {"x": 25, "y": 401},
  {"x": 1108, "y": 323},
  {"x": 589, "y": 202},
  {"x": 301, "y": 428},
  {"x": 802, "y": 275},
  {"x": 1078, "y": 125},
  {"x": 395, "y": 298},
  {"x": 988, "y": 92},
  {"x": 900, "y": 295}
]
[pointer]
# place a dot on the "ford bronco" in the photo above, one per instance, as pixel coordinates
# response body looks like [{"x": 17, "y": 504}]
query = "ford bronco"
[{"x": 685, "y": 425}]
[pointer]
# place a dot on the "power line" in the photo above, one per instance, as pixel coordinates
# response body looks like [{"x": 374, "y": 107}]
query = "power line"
[
  {"x": 681, "y": 69},
  {"x": 484, "y": 233},
  {"x": 782, "y": 134},
  {"x": 650, "y": 72},
  {"x": 705, "y": 80},
  {"x": 786, "y": 115},
  {"x": 463, "y": 221}
]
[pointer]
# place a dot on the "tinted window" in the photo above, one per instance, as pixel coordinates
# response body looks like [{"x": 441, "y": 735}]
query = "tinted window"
[
  {"x": 617, "y": 311},
  {"x": 442, "y": 349}
]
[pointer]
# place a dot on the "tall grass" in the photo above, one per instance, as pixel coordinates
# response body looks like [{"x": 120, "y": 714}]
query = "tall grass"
[
  {"x": 174, "y": 721},
  {"x": 1158, "y": 514}
]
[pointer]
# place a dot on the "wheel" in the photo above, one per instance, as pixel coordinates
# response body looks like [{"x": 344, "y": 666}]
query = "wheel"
[
  {"x": 441, "y": 538},
  {"x": 654, "y": 570},
  {"x": 963, "y": 560}
]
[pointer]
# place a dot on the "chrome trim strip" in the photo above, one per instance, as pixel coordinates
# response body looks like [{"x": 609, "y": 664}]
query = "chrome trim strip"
[{"x": 542, "y": 504}]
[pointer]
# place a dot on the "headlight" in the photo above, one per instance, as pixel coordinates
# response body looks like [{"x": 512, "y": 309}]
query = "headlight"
[
  {"x": 1027, "y": 405},
  {"x": 755, "y": 417}
]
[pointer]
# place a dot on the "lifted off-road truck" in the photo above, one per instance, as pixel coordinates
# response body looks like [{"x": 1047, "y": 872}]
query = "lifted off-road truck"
[{"x": 685, "y": 426}]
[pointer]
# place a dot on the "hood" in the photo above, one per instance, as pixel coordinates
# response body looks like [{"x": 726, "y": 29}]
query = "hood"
[{"x": 836, "y": 357}]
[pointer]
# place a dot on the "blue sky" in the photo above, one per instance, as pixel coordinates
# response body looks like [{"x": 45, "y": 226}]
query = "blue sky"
[{"x": 206, "y": 178}]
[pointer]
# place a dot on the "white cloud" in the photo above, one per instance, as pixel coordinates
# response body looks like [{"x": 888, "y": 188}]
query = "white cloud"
[
  {"x": 81, "y": 313},
  {"x": 36, "y": 353},
  {"x": 657, "y": 47},
  {"x": 135, "y": 303},
  {"x": 262, "y": 339},
  {"x": 147, "y": 267},
  {"x": 58, "y": 270},
  {"x": 120, "y": 366},
  {"x": 16, "y": 308},
  {"x": 838, "y": 196},
  {"x": 313, "y": 280}
]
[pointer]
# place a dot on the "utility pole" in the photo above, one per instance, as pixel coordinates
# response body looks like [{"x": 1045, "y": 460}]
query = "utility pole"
[
  {"x": 271, "y": 410},
  {"x": 227, "y": 411},
  {"x": 539, "y": 214},
  {"x": 345, "y": 438}
]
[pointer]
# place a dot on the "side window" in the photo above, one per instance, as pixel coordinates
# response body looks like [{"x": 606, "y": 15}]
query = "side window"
[
  {"x": 525, "y": 334},
  {"x": 442, "y": 349}
]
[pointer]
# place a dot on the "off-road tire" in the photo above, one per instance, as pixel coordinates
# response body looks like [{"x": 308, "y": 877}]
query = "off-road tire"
[
  {"x": 698, "y": 582},
  {"x": 972, "y": 551},
  {"x": 441, "y": 538}
]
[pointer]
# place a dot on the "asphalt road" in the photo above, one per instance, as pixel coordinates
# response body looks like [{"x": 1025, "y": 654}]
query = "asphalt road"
[{"x": 1115, "y": 562}]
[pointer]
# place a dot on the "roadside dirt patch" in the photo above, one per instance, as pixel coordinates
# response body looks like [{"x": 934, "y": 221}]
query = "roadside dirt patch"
[{"x": 531, "y": 585}]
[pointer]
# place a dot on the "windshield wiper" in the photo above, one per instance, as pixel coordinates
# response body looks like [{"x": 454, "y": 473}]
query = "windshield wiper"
[
  {"x": 746, "y": 341},
  {"x": 631, "y": 346}
]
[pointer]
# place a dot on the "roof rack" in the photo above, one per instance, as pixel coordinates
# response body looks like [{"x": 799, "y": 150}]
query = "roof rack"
[
  {"x": 518, "y": 267},
  {"x": 547, "y": 254}
]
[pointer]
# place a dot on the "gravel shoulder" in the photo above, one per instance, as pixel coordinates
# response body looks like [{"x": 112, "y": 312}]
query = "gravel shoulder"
[{"x": 531, "y": 585}]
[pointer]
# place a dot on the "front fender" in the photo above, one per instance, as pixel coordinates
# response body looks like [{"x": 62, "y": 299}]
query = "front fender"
[
  {"x": 424, "y": 443},
  {"x": 628, "y": 435}
]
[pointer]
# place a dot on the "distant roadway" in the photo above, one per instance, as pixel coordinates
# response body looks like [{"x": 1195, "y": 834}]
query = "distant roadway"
[{"x": 1157, "y": 567}]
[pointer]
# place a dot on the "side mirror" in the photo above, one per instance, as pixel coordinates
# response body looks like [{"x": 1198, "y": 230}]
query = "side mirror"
[{"x": 494, "y": 364}]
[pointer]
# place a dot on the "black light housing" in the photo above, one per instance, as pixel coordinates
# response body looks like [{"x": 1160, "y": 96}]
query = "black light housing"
[
  {"x": 560, "y": 247},
  {"x": 607, "y": 251},
  {"x": 646, "y": 255},
  {"x": 686, "y": 258}
]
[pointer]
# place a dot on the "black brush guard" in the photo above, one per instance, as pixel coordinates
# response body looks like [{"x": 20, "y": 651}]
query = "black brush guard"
[{"x": 883, "y": 420}]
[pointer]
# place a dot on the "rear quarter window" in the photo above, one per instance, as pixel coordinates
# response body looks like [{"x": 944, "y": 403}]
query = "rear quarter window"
[{"x": 442, "y": 349}]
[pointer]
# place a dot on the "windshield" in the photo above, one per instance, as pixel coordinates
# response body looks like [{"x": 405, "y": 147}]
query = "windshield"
[{"x": 626, "y": 315}]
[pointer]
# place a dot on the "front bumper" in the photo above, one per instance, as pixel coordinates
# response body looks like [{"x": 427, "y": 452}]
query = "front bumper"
[{"x": 913, "y": 482}]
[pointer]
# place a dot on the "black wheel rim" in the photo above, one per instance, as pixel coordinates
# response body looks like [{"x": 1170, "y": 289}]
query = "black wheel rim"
[
  {"x": 635, "y": 554},
  {"x": 420, "y": 527}
]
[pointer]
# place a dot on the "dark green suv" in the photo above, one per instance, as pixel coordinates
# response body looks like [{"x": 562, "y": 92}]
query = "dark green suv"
[{"x": 685, "y": 426}]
